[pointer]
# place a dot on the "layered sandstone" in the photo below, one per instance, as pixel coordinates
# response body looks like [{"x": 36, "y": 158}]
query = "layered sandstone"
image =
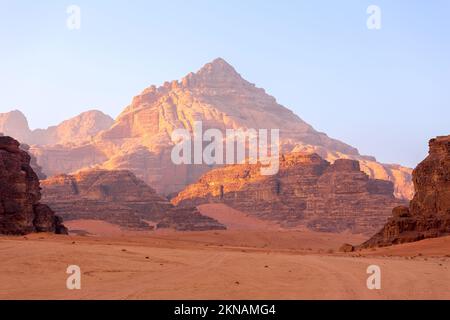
[
  {"x": 20, "y": 209},
  {"x": 307, "y": 191},
  {"x": 428, "y": 214},
  {"x": 140, "y": 138},
  {"x": 120, "y": 198}
]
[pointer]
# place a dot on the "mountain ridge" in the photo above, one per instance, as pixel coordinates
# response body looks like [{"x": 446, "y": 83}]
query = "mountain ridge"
[
  {"x": 140, "y": 138},
  {"x": 76, "y": 129}
]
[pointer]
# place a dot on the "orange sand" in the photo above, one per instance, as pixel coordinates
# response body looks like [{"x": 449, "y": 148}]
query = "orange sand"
[{"x": 234, "y": 264}]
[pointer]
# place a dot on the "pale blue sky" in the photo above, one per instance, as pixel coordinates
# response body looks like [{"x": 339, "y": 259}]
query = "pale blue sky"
[{"x": 385, "y": 92}]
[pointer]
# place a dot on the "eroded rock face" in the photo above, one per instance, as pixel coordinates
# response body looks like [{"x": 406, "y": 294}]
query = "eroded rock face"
[
  {"x": 140, "y": 138},
  {"x": 120, "y": 198},
  {"x": 428, "y": 214},
  {"x": 307, "y": 191},
  {"x": 20, "y": 209}
]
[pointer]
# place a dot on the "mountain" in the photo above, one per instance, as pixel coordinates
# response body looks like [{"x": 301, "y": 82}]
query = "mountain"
[
  {"x": 20, "y": 209},
  {"x": 307, "y": 191},
  {"x": 14, "y": 124},
  {"x": 75, "y": 130},
  {"x": 140, "y": 138},
  {"x": 428, "y": 215},
  {"x": 120, "y": 198}
]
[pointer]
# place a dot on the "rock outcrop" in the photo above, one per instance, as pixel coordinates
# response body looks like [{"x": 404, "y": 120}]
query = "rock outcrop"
[
  {"x": 140, "y": 138},
  {"x": 428, "y": 214},
  {"x": 306, "y": 191},
  {"x": 120, "y": 198},
  {"x": 20, "y": 209}
]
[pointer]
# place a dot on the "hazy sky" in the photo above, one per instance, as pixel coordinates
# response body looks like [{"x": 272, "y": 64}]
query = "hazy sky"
[{"x": 385, "y": 91}]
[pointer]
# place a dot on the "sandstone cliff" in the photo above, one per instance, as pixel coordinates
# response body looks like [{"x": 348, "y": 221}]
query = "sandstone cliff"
[
  {"x": 119, "y": 198},
  {"x": 20, "y": 209},
  {"x": 307, "y": 191},
  {"x": 428, "y": 214},
  {"x": 140, "y": 138}
]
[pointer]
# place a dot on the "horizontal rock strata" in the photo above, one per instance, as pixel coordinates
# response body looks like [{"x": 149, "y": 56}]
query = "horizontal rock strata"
[
  {"x": 120, "y": 198},
  {"x": 307, "y": 191}
]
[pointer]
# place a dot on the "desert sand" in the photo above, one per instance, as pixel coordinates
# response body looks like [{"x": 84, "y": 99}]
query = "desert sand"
[{"x": 232, "y": 264}]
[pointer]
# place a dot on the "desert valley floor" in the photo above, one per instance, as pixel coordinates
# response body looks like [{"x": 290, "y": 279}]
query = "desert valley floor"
[{"x": 251, "y": 260}]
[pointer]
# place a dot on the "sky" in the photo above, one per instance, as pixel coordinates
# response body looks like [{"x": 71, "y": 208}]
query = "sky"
[{"x": 384, "y": 91}]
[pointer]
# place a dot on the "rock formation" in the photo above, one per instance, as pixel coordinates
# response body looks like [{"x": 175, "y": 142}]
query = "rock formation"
[
  {"x": 428, "y": 214},
  {"x": 306, "y": 191},
  {"x": 140, "y": 138},
  {"x": 20, "y": 209},
  {"x": 119, "y": 198},
  {"x": 75, "y": 130}
]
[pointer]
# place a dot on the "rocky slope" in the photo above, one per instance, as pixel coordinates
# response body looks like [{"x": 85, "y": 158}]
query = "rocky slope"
[
  {"x": 140, "y": 138},
  {"x": 73, "y": 131},
  {"x": 118, "y": 197},
  {"x": 307, "y": 191},
  {"x": 428, "y": 214},
  {"x": 20, "y": 209}
]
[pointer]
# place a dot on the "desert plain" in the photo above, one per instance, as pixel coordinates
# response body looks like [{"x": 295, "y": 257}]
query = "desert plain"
[{"x": 250, "y": 260}]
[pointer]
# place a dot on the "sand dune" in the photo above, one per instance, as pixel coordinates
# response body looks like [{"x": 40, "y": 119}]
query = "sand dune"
[
  {"x": 234, "y": 219},
  {"x": 94, "y": 227}
]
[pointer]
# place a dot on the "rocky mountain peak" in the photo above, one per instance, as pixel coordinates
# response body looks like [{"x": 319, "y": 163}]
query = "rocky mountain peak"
[
  {"x": 217, "y": 73},
  {"x": 15, "y": 124},
  {"x": 218, "y": 67},
  {"x": 217, "y": 95}
]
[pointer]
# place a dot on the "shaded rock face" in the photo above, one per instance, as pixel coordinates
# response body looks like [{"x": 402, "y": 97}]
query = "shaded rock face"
[
  {"x": 120, "y": 198},
  {"x": 140, "y": 138},
  {"x": 33, "y": 162},
  {"x": 307, "y": 191},
  {"x": 428, "y": 214},
  {"x": 20, "y": 209}
]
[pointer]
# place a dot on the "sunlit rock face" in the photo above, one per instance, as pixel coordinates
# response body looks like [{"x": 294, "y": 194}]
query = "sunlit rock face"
[
  {"x": 20, "y": 209},
  {"x": 428, "y": 214},
  {"x": 307, "y": 191},
  {"x": 140, "y": 138},
  {"x": 120, "y": 198}
]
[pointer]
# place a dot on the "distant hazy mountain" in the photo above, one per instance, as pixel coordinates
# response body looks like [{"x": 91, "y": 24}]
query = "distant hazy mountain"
[{"x": 75, "y": 130}]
